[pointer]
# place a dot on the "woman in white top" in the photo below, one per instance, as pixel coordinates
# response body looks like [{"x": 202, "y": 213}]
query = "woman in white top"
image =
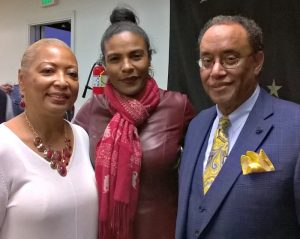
[{"x": 47, "y": 184}]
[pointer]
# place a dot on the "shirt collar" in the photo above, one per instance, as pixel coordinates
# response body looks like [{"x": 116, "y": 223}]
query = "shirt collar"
[{"x": 243, "y": 109}]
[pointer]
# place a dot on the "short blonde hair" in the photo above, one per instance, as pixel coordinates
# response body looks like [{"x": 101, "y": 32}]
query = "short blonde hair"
[{"x": 32, "y": 50}]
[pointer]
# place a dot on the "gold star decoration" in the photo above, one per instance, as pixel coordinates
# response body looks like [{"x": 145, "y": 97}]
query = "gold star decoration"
[{"x": 274, "y": 88}]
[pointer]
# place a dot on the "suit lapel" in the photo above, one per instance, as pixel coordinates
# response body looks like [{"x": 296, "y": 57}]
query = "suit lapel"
[{"x": 255, "y": 130}]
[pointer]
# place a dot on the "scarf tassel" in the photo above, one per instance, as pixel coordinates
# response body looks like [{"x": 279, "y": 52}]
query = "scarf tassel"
[{"x": 119, "y": 226}]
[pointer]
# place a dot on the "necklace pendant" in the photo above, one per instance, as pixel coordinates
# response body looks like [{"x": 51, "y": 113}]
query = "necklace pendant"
[
  {"x": 48, "y": 153},
  {"x": 37, "y": 141},
  {"x": 41, "y": 147},
  {"x": 62, "y": 169},
  {"x": 57, "y": 155},
  {"x": 53, "y": 164},
  {"x": 66, "y": 153},
  {"x": 59, "y": 159}
]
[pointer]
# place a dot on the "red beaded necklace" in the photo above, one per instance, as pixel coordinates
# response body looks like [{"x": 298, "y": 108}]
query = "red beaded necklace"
[{"x": 59, "y": 159}]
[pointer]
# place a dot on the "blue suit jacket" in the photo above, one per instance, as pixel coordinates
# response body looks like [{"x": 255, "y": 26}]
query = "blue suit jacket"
[{"x": 261, "y": 205}]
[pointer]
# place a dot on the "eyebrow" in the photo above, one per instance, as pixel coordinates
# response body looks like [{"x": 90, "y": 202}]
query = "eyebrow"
[{"x": 138, "y": 50}]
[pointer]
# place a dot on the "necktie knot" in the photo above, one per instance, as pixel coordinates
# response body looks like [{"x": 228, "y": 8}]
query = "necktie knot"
[{"x": 224, "y": 123}]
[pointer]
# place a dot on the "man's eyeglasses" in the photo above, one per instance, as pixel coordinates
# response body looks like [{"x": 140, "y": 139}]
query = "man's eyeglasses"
[{"x": 229, "y": 61}]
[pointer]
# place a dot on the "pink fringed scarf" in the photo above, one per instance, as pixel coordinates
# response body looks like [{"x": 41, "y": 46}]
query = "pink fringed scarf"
[{"x": 118, "y": 161}]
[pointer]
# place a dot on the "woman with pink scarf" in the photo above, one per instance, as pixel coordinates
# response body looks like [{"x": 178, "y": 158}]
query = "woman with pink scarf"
[{"x": 136, "y": 132}]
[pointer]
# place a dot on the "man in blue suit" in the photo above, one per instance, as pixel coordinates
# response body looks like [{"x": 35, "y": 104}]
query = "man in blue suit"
[{"x": 257, "y": 195}]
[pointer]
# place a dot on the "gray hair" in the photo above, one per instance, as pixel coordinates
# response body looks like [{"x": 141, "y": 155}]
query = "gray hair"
[{"x": 254, "y": 32}]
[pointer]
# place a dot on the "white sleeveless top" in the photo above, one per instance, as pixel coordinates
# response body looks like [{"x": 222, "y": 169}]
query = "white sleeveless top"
[{"x": 36, "y": 202}]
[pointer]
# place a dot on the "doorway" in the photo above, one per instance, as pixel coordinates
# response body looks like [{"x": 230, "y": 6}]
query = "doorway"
[{"x": 58, "y": 27}]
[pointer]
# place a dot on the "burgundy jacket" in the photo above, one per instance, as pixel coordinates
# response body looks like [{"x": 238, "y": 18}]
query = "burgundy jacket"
[{"x": 161, "y": 138}]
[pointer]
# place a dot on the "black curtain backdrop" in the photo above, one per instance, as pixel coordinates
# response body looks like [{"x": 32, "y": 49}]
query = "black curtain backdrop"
[{"x": 280, "y": 22}]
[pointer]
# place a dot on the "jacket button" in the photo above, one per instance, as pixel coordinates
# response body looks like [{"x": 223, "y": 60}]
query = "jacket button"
[
  {"x": 202, "y": 209},
  {"x": 258, "y": 130},
  {"x": 197, "y": 233}
]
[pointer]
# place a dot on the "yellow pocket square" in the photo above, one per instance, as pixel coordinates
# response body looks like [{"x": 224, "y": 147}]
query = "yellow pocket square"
[{"x": 256, "y": 162}]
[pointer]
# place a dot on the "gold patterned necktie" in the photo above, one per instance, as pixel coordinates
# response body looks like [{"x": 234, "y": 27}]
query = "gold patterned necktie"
[{"x": 218, "y": 153}]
